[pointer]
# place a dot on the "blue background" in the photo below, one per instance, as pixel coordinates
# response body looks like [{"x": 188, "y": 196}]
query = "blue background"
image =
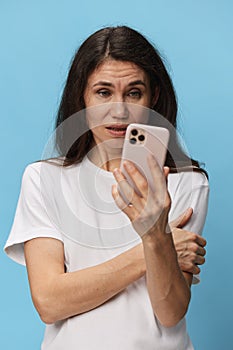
[{"x": 38, "y": 39}]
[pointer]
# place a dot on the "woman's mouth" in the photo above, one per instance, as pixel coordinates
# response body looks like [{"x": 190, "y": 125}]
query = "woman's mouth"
[{"x": 117, "y": 130}]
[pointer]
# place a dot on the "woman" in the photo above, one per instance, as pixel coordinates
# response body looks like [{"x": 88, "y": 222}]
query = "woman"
[{"x": 104, "y": 274}]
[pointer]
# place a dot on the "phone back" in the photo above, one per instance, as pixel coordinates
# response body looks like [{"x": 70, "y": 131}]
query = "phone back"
[{"x": 140, "y": 141}]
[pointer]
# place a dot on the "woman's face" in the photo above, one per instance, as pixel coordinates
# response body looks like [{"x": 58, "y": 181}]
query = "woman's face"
[{"x": 119, "y": 90}]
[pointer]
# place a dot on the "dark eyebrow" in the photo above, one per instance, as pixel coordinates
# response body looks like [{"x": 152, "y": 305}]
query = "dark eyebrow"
[
  {"x": 133, "y": 83},
  {"x": 104, "y": 83},
  {"x": 137, "y": 82}
]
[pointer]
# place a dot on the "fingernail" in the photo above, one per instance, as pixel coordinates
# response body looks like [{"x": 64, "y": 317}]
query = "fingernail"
[
  {"x": 116, "y": 171},
  {"x": 128, "y": 165}
]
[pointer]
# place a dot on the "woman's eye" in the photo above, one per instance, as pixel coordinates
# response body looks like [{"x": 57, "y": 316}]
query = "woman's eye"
[
  {"x": 104, "y": 93},
  {"x": 135, "y": 94}
]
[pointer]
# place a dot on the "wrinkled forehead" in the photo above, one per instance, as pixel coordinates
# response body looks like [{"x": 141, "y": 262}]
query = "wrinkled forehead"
[{"x": 117, "y": 73}]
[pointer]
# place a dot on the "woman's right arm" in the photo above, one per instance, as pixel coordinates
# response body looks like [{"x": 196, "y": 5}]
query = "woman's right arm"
[{"x": 58, "y": 295}]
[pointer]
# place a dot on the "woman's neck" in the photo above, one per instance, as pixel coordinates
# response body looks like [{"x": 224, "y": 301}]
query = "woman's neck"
[{"x": 104, "y": 159}]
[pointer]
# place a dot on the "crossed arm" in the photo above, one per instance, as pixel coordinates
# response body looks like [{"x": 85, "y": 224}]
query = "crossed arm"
[
  {"x": 168, "y": 287},
  {"x": 58, "y": 295}
]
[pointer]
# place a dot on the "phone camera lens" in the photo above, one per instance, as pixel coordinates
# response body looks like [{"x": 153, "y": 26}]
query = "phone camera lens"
[
  {"x": 133, "y": 140},
  {"x": 141, "y": 137},
  {"x": 134, "y": 132}
]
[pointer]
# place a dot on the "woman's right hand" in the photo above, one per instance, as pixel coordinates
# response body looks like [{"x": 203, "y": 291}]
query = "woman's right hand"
[{"x": 189, "y": 245}]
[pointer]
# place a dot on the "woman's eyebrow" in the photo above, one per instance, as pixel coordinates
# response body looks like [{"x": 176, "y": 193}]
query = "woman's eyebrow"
[
  {"x": 137, "y": 82},
  {"x": 104, "y": 83},
  {"x": 132, "y": 83}
]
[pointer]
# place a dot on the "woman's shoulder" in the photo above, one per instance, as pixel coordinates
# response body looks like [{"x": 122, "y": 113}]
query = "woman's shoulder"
[
  {"x": 189, "y": 176},
  {"x": 52, "y": 165},
  {"x": 49, "y": 172}
]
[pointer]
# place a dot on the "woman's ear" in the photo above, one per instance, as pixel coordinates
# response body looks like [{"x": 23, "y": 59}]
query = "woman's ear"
[{"x": 155, "y": 96}]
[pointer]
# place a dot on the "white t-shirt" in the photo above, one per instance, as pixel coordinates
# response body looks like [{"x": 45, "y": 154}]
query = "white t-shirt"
[{"x": 75, "y": 205}]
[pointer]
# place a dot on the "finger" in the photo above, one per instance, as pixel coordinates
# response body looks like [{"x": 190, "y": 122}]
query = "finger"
[
  {"x": 194, "y": 250},
  {"x": 182, "y": 219},
  {"x": 166, "y": 171},
  {"x": 127, "y": 191},
  {"x": 142, "y": 185},
  {"x": 189, "y": 267},
  {"x": 195, "y": 270},
  {"x": 200, "y": 240},
  {"x": 159, "y": 198},
  {"x": 139, "y": 180},
  {"x": 158, "y": 177},
  {"x": 200, "y": 260},
  {"x": 201, "y": 251},
  {"x": 130, "y": 211}
]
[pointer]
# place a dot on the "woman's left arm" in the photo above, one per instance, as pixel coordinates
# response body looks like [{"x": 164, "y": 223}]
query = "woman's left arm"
[{"x": 168, "y": 287}]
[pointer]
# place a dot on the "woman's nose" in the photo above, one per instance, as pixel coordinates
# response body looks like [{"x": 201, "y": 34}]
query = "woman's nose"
[{"x": 119, "y": 110}]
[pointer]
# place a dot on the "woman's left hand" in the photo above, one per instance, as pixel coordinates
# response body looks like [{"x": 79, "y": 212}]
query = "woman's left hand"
[
  {"x": 167, "y": 286},
  {"x": 148, "y": 212}
]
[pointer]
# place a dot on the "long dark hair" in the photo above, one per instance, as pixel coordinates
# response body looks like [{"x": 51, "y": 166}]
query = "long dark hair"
[{"x": 124, "y": 44}]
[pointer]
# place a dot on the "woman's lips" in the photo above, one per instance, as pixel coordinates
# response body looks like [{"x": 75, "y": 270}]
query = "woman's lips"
[{"x": 117, "y": 130}]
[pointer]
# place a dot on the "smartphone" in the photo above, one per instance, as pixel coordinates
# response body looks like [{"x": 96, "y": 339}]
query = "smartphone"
[{"x": 140, "y": 141}]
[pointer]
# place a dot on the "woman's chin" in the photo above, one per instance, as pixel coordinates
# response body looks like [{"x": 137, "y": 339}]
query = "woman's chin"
[{"x": 114, "y": 145}]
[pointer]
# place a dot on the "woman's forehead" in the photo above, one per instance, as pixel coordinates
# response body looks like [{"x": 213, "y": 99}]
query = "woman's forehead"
[{"x": 113, "y": 70}]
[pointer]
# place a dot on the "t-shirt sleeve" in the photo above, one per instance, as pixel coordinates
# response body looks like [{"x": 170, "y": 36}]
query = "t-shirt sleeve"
[
  {"x": 31, "y": 219},
  {"x": 192, "y": 191}
]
